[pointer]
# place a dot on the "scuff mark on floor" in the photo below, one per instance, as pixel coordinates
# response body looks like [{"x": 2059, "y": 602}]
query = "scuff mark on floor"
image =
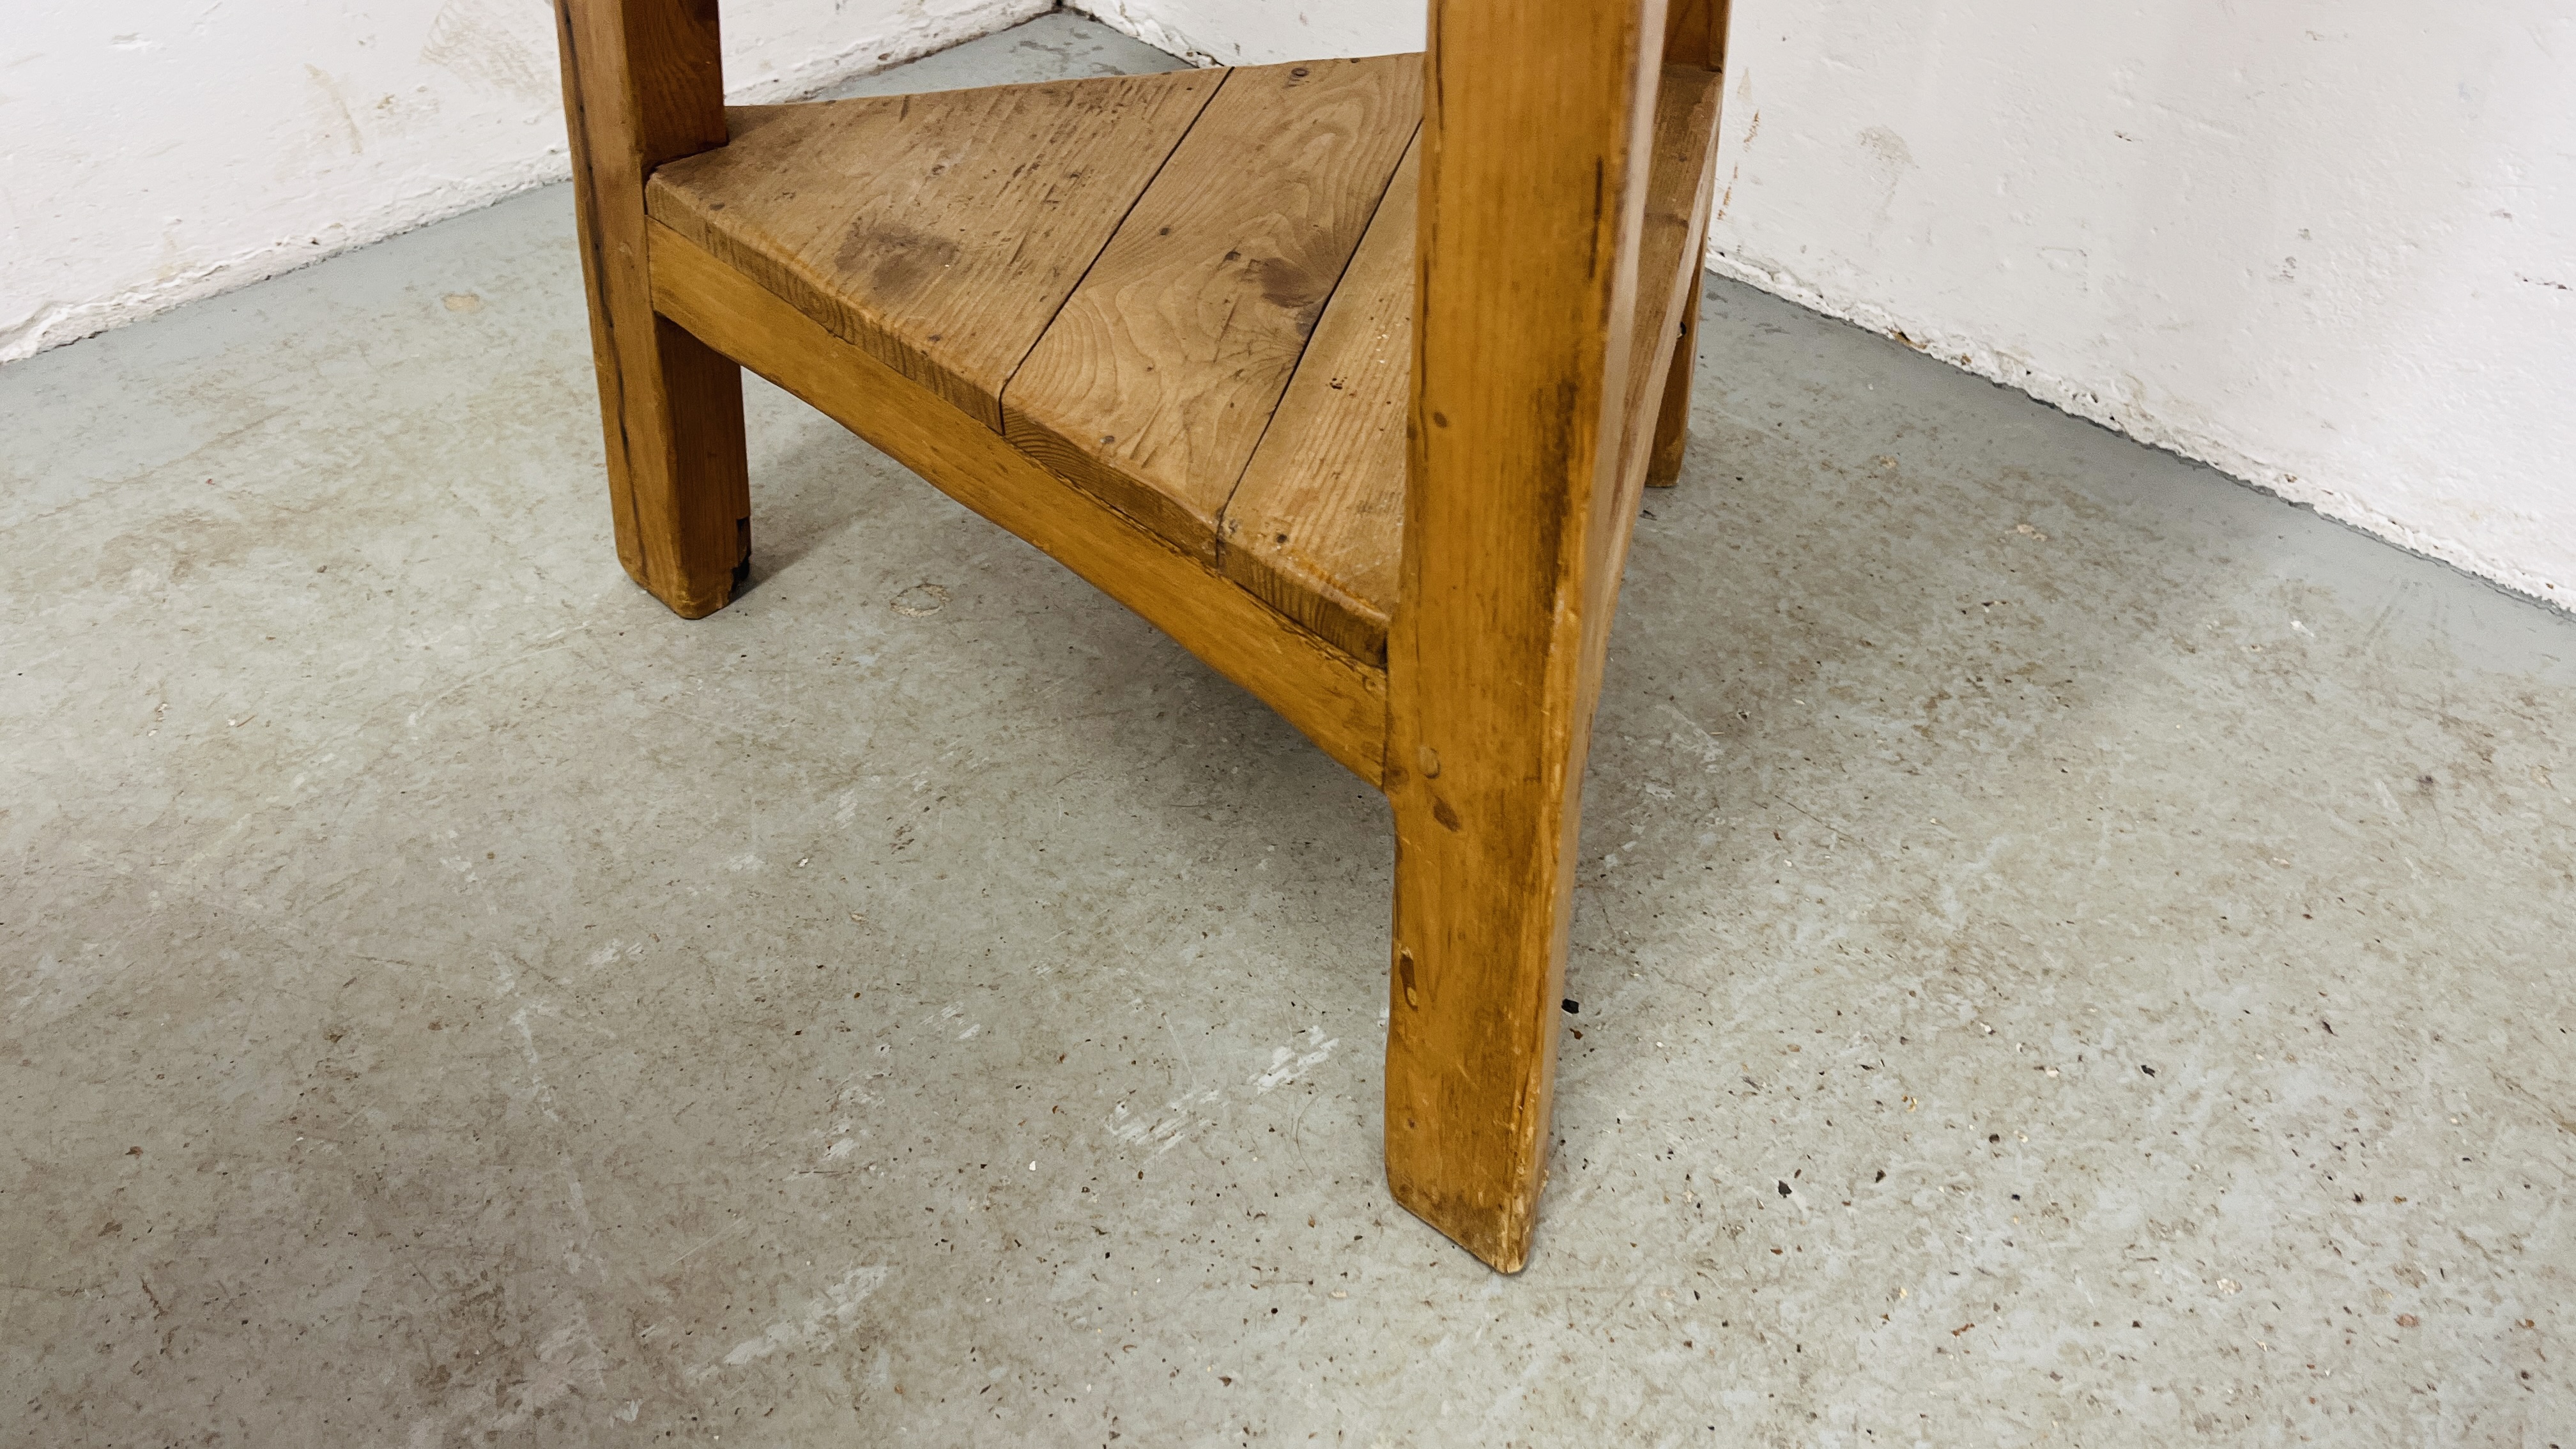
[
  {"x": 817, "y": 1326},
  {"x": 1286, "y": 1064}
]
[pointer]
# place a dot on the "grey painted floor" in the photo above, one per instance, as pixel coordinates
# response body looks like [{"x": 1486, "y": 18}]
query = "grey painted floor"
[{"x": 2070, "y": 951}]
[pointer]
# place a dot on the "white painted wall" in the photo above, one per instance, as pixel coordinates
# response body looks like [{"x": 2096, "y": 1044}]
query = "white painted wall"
[
  {"x": 154, "y": 151},
  {"x": 2324, "y": 245},
  {"x": 1260, "y": 32}
]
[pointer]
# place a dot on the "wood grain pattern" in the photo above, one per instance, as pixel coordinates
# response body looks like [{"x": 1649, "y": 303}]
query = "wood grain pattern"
[
  {"x": 1339, "y": 705},
  {"x": 1668, "y": 283},
  {"x": 1672, "y": 415},
  {"x": 642, "y": 85},
  {"x": 1695, "y": 34},
  {"x": 1315, "y": 526},
  {"x": 939, "y": 232},
  {"x": 1156, "y": 380},
  {"x": 1535, "y": 151},
  {"x": 1694, "y": 37}
]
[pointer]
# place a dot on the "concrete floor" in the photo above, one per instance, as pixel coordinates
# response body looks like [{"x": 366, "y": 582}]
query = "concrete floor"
[{"x": 2070, "y": 950}]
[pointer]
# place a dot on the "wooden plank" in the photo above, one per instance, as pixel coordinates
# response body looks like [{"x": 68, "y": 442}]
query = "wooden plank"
[
  {"x": 938, "y": 232},
  {"x": 1535, "y": 152},
  {"x": 1156, "y": 380},
  {"x": 1315, "y": 526},
  {"x": 642, "y": 85},
  {"x": 1668, "y": 279},
  {"x": 1339, "y": 705}
]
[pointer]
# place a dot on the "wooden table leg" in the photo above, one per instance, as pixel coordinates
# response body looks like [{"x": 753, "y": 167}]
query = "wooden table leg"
[
  {"x": 1511, "y": 542},
  {"x": 1672, "y": 421},
  {"x": 642, "y": 86}
]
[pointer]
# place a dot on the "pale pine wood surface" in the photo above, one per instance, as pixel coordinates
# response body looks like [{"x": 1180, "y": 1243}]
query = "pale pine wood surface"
[
  {"x": 1536, "y": 146},
  {"x": 1337, "y": 702},
  {"x": 1312, "y": 523},
  {"x": 1672, "y": 418},
  {"x": 1315, "y": 526},
  {"x": 940, "y": 232},
  {"x": 1695, "y": 36},
  {"x": 1161, "y": 373},
  {"x": 1668, "y": 271}
]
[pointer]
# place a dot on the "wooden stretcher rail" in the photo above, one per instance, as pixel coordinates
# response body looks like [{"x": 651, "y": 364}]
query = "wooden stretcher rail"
[{"x": 1339, "y": 703}]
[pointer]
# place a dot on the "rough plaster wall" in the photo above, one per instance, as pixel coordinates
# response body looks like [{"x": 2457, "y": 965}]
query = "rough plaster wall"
[
  {"x": 1232, "y": 32},
  {"x": 161, "y": 150},
  {"x": 2325, "y": 247}
]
